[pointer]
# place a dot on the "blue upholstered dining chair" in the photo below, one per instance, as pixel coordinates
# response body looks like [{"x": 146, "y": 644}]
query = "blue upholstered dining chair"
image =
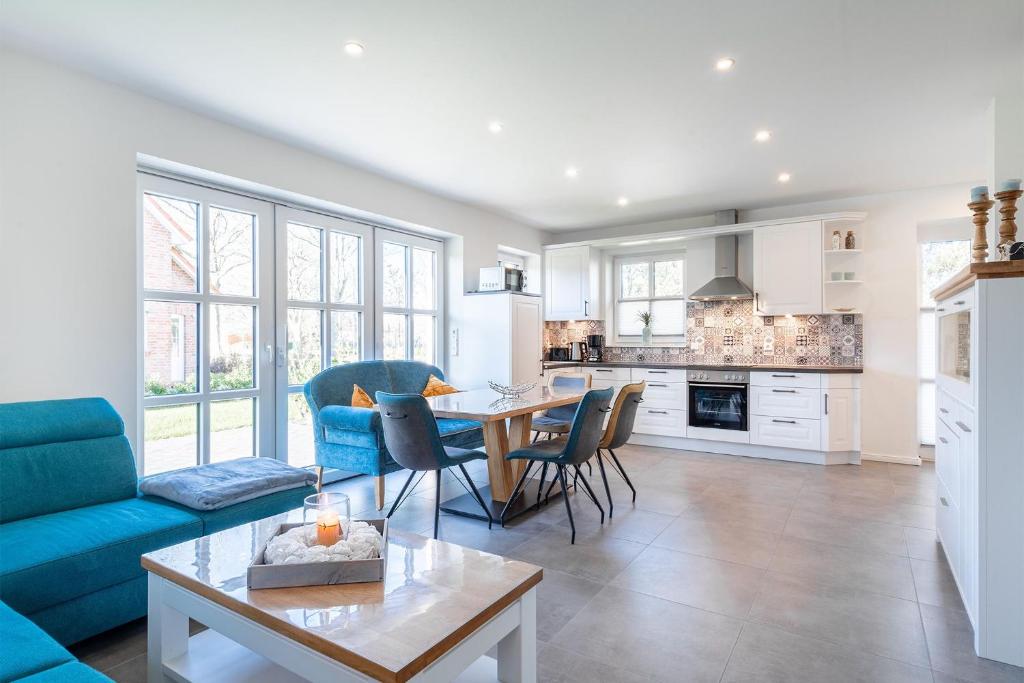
[
  {"x": 412, "y": 438},
  {"x": 567, "y": 453},
  {"x": 618, "y": 431},
  {"x": 558, "y": 420}
]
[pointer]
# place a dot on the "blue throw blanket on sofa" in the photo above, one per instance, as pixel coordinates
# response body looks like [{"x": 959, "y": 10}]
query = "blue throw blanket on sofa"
[{"x": 218, "y": 485}]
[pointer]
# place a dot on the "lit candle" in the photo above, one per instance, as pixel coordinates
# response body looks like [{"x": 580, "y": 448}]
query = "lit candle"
[
  {"x": 328, "y": 528},
  {"x": 1010, "y": 185},
  {"x": 979, "y": 193}
]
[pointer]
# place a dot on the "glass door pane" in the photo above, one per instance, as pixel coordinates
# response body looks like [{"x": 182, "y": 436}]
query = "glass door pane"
[
  {"x": 207, "y": 390},
  {"x": 323, "y": 271},
  {"x": 409, "y": 280}
]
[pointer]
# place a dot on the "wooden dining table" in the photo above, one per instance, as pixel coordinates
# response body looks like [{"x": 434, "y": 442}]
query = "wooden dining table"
[{"x": 492, "y": 410}]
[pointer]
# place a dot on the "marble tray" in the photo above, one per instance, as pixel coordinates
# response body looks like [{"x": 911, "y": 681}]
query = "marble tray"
[{"x": 260, "y": 575}]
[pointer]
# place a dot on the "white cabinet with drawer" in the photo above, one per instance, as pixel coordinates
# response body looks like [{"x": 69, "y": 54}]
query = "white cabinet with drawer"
[
  {"x": 785, "y": 378},
  {"x": 786, "y": 432},
  {"x": 658, "y": 375},
  {"x": 660, "y": 421},
  {"x": 785, "y": 402},
  {"x": 617, "y": 374},
  {"x": 665, "y": 395}
]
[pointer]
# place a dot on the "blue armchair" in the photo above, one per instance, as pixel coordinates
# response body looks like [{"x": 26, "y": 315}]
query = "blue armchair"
[{"x": 352, "y": 439}]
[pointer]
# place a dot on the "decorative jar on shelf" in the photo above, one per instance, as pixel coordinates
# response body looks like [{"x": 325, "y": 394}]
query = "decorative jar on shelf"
[
  {"x": 851, "y": 241},
  {"x": 837, "y": 240}
]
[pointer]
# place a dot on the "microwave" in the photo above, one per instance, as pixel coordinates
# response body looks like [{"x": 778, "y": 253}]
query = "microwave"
[{"x": 502, "y": 277}]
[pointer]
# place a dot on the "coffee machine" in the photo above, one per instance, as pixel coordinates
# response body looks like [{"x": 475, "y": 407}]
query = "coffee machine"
[{"x": 595, "y": 348}]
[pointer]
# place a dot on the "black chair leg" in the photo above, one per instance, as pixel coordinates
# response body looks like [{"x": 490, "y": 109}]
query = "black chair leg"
[
  {"x": 565, "y": 496},
  {"x": 590, "y": 492},
  {"x": 540, "y": 486},
  {"x": 479, "y": 498},
  {"x": 437, "y": 501},
  {"x": 515, "y": 492},
  {"x": 551, "y": 486},
  {"x": 394, "y": 506},
  {"x": 535, "y": 437},
  {"x": 604, "y": 478},
  {"x": 622, "y": 471}
]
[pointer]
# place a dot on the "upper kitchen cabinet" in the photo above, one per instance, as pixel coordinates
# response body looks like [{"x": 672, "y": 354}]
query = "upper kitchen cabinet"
[
  {"x": 572, "y": 283},
  {"x": 787, "y": 268}
]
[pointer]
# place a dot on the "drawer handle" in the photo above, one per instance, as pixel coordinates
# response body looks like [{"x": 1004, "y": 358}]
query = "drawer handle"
[
  {"x": 784, "y": 376},
  {"x": 945, "y": 503},
  {"x": 785, "y": 422},
  {"x": 943, "y": 439},
  {"x": 783, "y": 391},
  {"x": 940, "y": 310},
  {"x": 658, "y": 412},
  {"x": 962, "y": 426},
  {"x": 960, "y": 303},
  {"x": 943, "y": 411},
  {"x": 663, "y": 386},
  {"x": 657, "y": 372},
  {"x": 602, "y": 370}
]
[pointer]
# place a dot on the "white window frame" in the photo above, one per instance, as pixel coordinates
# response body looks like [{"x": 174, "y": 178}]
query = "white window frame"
[
  {"x": 617, "y": 298},
  {"x": 382, "y": 235},
  {"x": 262, "y": 301}
]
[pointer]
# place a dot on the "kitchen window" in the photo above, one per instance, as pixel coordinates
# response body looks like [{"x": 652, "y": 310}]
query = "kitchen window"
[{"x": 650, "y": 284}]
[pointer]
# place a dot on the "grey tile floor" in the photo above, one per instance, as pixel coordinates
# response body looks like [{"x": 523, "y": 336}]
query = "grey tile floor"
[{"x": 725, "y": 569}]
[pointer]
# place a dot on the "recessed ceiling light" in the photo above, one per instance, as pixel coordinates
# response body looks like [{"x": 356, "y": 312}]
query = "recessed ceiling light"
[
  {"x": 622, "y": 201},
  {"x": 495, "y": 127},
  {"x": 572, "y": 172},
  {"x": 763, "y": 135},
  {"x": 725, "y": 63},
  {"x": 354, "y": 49},
  {"x": 784, "y": 177}
]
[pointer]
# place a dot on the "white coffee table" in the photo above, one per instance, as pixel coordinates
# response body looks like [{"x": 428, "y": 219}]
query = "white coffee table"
[{"x": 439, "y": 610}]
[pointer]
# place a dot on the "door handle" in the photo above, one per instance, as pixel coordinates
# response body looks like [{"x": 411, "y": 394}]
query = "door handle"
[
  {"x": 585, "y": 305},
  {"x": 943, "y": 439},
  {"x": 280, "y": 357},
  {"x": 785, "y": 422},
  {"x": 783, "y": 391},
  {"x": 962, "y": 426},
  {"x": 944, "y": 502},
  {"x": 826, "y": 404}
]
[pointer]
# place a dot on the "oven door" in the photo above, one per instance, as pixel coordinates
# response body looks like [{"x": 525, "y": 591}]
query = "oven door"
[{"x": 718, "y": 406}]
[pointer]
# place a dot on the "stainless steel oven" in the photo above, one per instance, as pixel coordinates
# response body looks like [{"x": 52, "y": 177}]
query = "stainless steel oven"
[{"x": 717, "y": 399}]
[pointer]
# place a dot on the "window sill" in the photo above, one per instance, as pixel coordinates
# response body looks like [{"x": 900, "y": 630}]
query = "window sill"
[{"x": 683, "y": 344}]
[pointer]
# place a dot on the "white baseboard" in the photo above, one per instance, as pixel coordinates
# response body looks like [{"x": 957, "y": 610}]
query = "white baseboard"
[{"x": 898, "y": 459}]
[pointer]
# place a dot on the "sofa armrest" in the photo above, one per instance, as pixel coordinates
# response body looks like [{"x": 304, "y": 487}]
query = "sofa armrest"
[{"x": 352, "y": 419}]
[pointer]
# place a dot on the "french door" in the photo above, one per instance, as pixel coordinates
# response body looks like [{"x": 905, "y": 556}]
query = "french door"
[
  {"x": 208, "y": 324},
  {"x": 324, "y": 313},
  {"x": 243, "y": 301}
]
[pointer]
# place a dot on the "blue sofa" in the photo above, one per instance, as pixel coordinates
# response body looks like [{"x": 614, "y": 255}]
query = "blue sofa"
[
  {"x": 28, "y": 654},
  {"x": 73, "y": 526},
  {"x": 351, "y": 439}
]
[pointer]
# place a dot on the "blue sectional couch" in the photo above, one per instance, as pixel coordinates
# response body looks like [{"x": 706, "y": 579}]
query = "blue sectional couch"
[
  {"x": 29, "y": 654},
  {"x": 351, "y": 439},
  {"x": 73, "y": 526}
]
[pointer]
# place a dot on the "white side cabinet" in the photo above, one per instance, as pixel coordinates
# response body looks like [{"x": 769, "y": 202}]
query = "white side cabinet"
[
  {"x": 572, "y": 284},
  {"x": 805, "y": 411},
  {"x": 787, "y": 268},
  {"x": 506, "y": 340}
]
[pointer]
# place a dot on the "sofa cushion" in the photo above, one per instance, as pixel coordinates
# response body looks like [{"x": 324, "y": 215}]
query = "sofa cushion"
[
  {"x": 52, "y": 558},
  {"x": 348, "y": 437},
  {"x": 460, "y": 433},
  {"x": 333, "y": 386},
  {"x": 248, "y": 511},
  {"x": 219, "y": 485},
  {"x": 25, "y": 648},
  {"x": 72, "y": 672},
  {"x": 40, "y": 422}
]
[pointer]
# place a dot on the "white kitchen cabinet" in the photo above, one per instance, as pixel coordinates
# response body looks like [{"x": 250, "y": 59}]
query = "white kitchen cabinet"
[
  {"x": 617, "y": 374},
  {"x": 840, "y": 424},
  {"x": 572, "y": 284},
  {"x": 660, "y": 421},
  {"x": 788, "y": 268},
  {"x": 805, "y": 410},
  {"x": 785, "y": 432},
  {"x": 506, "y": 343},
  {"x": 785, "y": 402}
]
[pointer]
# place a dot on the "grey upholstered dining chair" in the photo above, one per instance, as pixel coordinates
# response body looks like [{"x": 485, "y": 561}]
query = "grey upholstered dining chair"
[
  {"x": 558, "y": 420},
  {"x": 618, "y": 431},
  {"x": 412, "y": 438},
  {"x": 569, "y": 452}
]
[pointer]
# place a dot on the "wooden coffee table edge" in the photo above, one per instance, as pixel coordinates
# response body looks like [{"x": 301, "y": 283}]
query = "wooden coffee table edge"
[{"x": 335, "y": 651}]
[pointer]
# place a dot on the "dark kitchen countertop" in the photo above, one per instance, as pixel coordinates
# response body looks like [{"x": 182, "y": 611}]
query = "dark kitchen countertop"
[{"x": 828, "y": 369}]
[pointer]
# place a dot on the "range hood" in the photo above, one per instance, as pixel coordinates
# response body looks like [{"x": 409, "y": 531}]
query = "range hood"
[{"x": 724, "y": 286}]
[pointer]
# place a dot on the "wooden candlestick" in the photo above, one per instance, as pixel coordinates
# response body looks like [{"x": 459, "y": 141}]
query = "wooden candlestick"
[
  {"x": 1007, "y": 226},
  {"x": 979, "y": 248}
]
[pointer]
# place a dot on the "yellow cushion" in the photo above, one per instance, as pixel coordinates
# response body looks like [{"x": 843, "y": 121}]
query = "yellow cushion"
[
  {"x": 438, "y": 387},
  {"x": 360, "y": 399}
]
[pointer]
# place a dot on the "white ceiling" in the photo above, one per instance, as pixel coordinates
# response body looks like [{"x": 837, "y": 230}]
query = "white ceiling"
[{"x": 861, "y": 95}]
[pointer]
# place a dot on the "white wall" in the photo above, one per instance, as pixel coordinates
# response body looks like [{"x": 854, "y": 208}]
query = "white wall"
[
  {"x": 68, "y": 146},
  {"x": 889, "y": 240}
]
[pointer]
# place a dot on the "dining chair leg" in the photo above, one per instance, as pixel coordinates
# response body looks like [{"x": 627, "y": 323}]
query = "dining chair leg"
[
  {"x": 394, "y": 506},
  {"x": 560, "y": 470},
  {"x": 515, "y": 492},
  {"x": 622, "y": 471},
  {"x": 437, "y": 500},
  {"x": 551, "y": 486},
  {"x": 535, "y": 437},
  {"x": 590, "y": 492},
  {"x": 540, "y": 486},
  {"x": 604, "y": 478},
  {"x": 479, "y": 498}
]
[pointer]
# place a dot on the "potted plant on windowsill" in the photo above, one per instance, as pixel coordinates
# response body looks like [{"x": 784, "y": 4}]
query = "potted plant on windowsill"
[{"x": 645, "y": 318}]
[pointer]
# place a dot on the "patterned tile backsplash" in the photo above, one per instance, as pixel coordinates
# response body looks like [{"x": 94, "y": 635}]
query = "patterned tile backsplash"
[{"x": 728, "y": 333}]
